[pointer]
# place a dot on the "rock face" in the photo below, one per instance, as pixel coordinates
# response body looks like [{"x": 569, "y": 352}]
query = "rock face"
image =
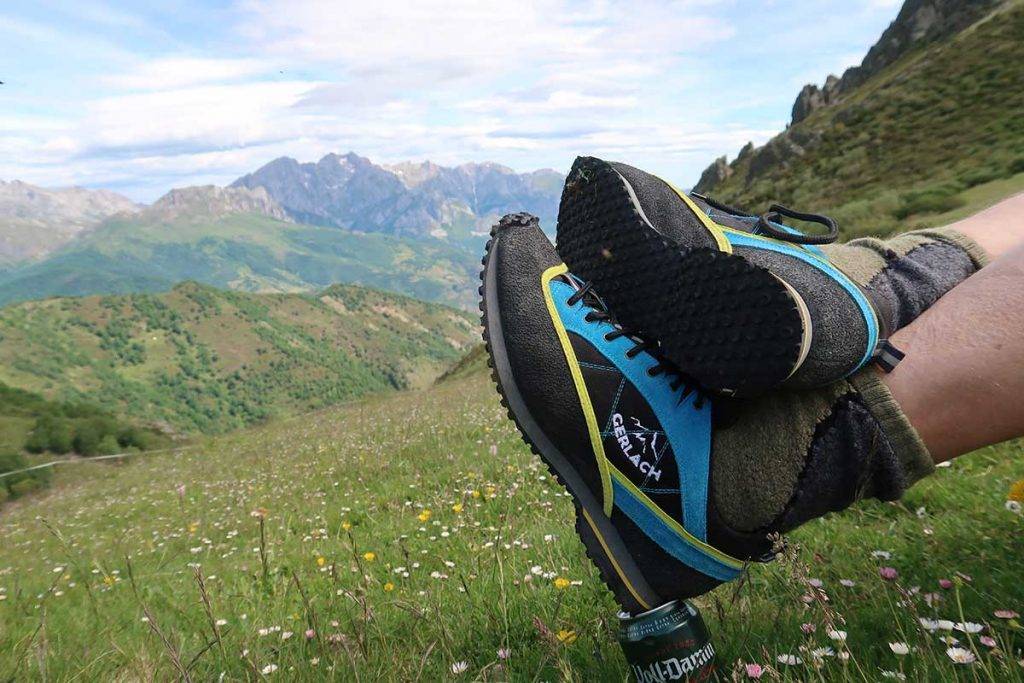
[
  {"x": 718, "y": 171},
  {"x": 919, "y": 22},
  {"x": 411, "y": 199},
  {"x": 210, "y": 201},
  {"x": 35, "y": 221}
]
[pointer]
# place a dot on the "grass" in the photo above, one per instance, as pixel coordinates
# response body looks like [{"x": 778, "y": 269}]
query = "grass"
[{"x": 321, "y": 524}]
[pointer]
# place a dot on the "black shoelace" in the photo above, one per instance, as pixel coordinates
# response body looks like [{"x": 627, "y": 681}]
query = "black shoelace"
[
  {"x": 765, "y": 222},
  {"x": 599, "y": 313}
]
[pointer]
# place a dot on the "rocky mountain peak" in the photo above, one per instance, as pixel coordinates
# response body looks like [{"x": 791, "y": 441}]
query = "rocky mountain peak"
[
  {"x": 416, "y": 199},
  {"x": 210, "y": 200}
]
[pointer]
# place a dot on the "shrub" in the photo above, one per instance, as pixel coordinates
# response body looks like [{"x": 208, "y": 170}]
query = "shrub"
[
  {"x": 979, "y": 176},
  {"x": 23, "y": 486},
  {"x": 108, "y": 445},
  {"x": 51, "y": 433},
  {"x": 931, "y": 200},
  {"x": 1016, "y": 166},
  {"x": 18, "y": 484}
]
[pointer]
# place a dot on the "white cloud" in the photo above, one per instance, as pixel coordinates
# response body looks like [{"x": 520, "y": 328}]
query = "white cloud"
[
  {"x": 527, "y": 84},
  {"x": 178, "y": 72}
]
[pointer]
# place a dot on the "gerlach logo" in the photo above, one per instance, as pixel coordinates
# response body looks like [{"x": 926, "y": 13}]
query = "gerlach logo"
[{"x": 645, "y": 456}]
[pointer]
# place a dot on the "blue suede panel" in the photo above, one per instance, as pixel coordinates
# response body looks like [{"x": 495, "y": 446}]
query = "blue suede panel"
[
  {"x": 669, "y": 540},
  {"x": 687, "y": 427}
]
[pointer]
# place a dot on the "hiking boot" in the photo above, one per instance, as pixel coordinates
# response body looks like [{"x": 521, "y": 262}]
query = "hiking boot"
[
  {"x": 741, "y": 303},
  {"x": 674, "y": 494}
]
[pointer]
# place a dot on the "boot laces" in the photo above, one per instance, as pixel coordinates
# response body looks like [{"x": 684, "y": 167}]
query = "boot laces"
[
  {"x": 599, "y": 313},
  {"x": 766, "y": 222}
]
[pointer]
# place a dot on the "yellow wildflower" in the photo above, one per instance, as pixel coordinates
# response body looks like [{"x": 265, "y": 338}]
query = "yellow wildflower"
[
  {"x": 1016, "y": 491},
  {"x": 475, "y": 494},
  {"x": 320, "y": 561},
  {"x": 389, "y": 586},
  {"x": 192, "y": 527},
  {"x": 457, "y": 507},
  {"x": 346, "y": 525},
  {"x": 369, "y": 556},
  {"x": 566, "y": 636},
  {"x": 561, "y": 583},
  {"x": 424, "y": 515},
  {"x": 109, "y": 580}
]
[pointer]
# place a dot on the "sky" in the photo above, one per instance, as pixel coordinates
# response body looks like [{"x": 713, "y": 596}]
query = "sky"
[{"x": 143, "y": 97}]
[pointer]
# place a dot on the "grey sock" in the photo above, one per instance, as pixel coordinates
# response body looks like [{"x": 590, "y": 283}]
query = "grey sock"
[{"x": 908, "y": 273}]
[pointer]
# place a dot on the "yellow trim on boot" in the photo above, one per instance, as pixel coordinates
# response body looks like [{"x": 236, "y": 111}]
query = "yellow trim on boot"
[
  {"x": 714, "y": 228},
  {"x": 611, "y": 558},
  {"x": 728, "y": 560},
  {"x": 581, "y": 388}
]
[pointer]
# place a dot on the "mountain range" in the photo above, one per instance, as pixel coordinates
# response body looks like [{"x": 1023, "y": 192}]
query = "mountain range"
[
  {"x": 35, "y": 221},
  {"x": 408, "y": 199},
  {"x": 412, "y": 228}
]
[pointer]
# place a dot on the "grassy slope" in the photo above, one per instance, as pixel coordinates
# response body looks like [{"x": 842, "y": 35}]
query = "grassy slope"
[
  {"x": 376, "y": 465},
  {"x": 208, "y": 359},
  {"x": 938, "y": 122},
  {"x": 243, "y": 252}
]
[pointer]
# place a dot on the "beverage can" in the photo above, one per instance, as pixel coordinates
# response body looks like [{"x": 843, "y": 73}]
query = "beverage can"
[{"x": 667, "y": 643}]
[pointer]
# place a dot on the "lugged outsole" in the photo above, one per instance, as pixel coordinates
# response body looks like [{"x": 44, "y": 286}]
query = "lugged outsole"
[
  {"x": 728, "y": 323},
  {"x": 592, "y": 545}
]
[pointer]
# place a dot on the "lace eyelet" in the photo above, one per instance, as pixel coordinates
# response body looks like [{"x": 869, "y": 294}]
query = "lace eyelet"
[
  {"x": 608, "y": 338},
  {"x": 651, "y": 372}
]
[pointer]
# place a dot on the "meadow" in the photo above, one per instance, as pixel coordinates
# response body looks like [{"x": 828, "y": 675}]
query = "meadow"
[{"x": 414, "y": 537}]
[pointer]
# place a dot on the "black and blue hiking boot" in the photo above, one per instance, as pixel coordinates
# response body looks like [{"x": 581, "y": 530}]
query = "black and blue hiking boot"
[
  {"x": 673, "y": 494},
  {"x": 741, "y": 303}
]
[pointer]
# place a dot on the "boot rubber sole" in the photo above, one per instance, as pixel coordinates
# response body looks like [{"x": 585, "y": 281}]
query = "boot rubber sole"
[
  {"x": 733, "y": 326},
  {"x": 602, "y": 542}
]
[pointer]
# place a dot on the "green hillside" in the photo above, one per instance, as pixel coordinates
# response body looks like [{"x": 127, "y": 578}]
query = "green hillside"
[
  {"x": 907, "y": 145},
  {"x": 199, "y": 358},
  {"x": 150, "y": 251},
  {"x": 395, "y": 537}
]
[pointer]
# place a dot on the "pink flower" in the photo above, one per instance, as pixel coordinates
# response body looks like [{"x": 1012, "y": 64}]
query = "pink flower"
[
  {"x": 310, "y": 634},
  {"x": 945, "y": 584},
  {"x": 808, "y": 628},
  {"x": 1006, "y": 614},
  {"x": 988, "y": 641},
  {"x": 888, "y": 573},
  {"x": 754, "y": 670}
]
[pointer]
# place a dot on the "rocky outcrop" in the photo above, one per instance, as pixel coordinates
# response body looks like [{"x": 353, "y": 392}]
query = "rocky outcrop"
[
  {"x": 812, "y": 98},
  {"x": 718, "y": 171},
  {"x": 918, "y": 23}
]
